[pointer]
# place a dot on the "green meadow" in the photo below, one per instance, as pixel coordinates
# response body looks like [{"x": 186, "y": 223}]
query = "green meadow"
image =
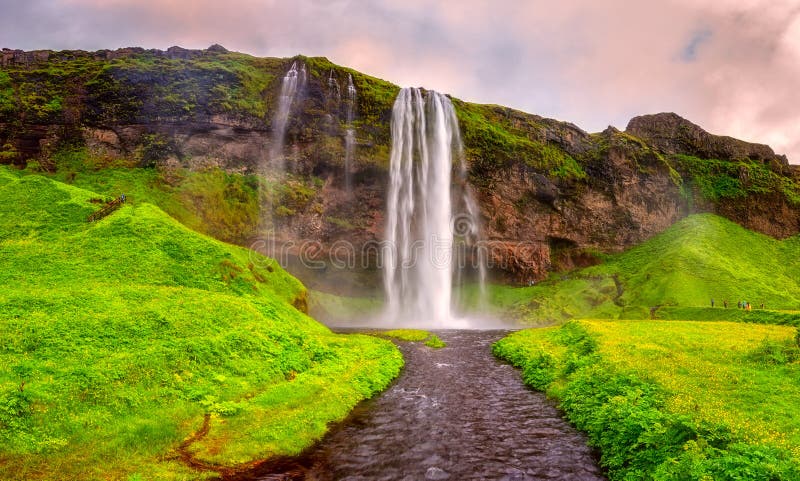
[
  {"x": 677, "y": 400},
  {"x": 121, "y": 339},
  {"x": 677, "y": 272}
]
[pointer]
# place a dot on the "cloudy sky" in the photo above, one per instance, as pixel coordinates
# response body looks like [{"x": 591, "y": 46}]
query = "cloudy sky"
[{"x": 732, "y": 66}]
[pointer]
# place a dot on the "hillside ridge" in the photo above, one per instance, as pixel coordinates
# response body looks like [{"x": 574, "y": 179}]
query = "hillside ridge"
[
  {"x": 550, "y": 194},
  {"x": 677, "y": 273}
]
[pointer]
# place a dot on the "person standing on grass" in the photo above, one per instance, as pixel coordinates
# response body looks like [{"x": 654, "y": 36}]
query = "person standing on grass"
[
  {"x": 725, "y": 303},
  {"x": 712, "y": 302},
  {"x": 739, "y": 305}
]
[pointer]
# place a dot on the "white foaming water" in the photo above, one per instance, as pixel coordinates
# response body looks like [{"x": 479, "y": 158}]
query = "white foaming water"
[
  {"x": 422, "y": 215},
  {"x": 293, "y": 82},
  {"x": 350, "y": 135}
]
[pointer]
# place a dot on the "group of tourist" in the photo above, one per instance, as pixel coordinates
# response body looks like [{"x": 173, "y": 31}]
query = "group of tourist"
[{"x": 740, "y": 305}]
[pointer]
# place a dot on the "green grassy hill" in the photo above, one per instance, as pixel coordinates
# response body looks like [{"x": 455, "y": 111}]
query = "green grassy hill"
[
  {"x": 699, "y": 258},
  {"x": 118, "y": 338}
]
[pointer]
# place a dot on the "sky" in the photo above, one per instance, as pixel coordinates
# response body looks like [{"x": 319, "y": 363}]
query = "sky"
[{"x": 731, "y": 66}]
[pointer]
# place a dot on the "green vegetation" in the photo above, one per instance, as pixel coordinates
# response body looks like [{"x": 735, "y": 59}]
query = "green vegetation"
[
  {"x": 434, "y": 342},
  {"x": 222, "y": 205},
  {"x": 411, "y": 335},
  {"x": 672, "y": 400},
  {"x": 117, "y": 339},
  {"x": 375, "y": 100},
  {"x": 493, "y": 141},
  {"x": 646, "y": 158},
  {"x": 7, "y": 105},
  {"x": 716, "y": 179},
  {"x": 416, "y": 335},
  {"x": 699, "y": 258},
  {"x": 732, "y": 314},
  {"x": 143, "y": 84}
]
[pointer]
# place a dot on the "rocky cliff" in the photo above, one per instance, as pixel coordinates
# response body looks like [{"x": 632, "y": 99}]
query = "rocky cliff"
[{"x": 552, "y": 196}]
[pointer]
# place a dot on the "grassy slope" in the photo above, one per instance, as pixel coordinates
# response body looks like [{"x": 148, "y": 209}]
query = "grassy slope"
[
  {"x": 224, "y": 206},
  {"x": 700, "y": 257},
  {"x": 673, "y": 400},
  {"x": 715, "y": 371},
  {"x": 127, "y": 331}
]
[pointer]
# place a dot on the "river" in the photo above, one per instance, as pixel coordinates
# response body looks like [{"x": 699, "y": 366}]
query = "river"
[{"x": 454, "y": 413}]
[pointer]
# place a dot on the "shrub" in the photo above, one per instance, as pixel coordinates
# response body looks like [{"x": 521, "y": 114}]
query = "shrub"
[
  {"x": 155, "y": 148},
  {"x": 775, "y": 352},
  {"x": 540, "y": 371},
  {"x": 434, "y": 342}
]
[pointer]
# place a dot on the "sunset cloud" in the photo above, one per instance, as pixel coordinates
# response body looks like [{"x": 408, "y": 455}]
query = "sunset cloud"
[{"x": 731, "y": 66}]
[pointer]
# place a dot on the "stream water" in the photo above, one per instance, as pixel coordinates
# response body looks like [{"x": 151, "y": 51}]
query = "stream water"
[{"x": 454, "y": 413}]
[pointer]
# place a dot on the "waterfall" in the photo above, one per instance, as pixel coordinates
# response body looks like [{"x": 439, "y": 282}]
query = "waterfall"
[
  {"x": 426, "y": 213},
  {"x": 350, "y": 135},
  {"x": 333, "y": 87},
  {"x": 351, "y": 99},
  {"x": 293, "y": 82}
]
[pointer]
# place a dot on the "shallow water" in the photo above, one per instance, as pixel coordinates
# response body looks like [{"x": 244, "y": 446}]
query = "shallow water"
[{"x": 455, "y": 413}]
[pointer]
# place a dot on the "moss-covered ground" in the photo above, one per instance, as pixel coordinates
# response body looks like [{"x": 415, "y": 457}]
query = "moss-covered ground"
[
  {"x": 118, "y": 337},
  {"x": 415, "y": 335}
]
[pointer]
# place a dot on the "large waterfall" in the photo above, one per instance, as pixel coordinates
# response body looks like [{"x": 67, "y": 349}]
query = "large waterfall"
[
  {"x": 428, "y": 215},
  {"x": 293, "y": 82}
]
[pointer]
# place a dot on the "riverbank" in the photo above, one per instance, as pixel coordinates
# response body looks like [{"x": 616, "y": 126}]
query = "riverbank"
[
  {"x": 672, "y": 400},
  {"x": 454, "y": 413}
]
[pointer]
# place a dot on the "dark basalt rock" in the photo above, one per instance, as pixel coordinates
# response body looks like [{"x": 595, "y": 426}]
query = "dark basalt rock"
[{"x": 672, "y": 134}]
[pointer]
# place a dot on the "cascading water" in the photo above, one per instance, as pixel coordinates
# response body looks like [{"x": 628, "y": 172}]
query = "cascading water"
[
  {"x": 293, "y": 82},
  {"x": 274, "y": 167},
  {"x": 351, "y": 94},
  {"x": 333, "y": 86},
  {"x": 426, "y": 214},
  {"x": 470, "y": 254},
  {"x": 350, "y": 135}
]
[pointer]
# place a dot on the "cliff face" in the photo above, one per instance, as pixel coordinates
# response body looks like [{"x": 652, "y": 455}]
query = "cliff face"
[
  {"x": 672, "y": 134},
  {"x": 551, "y": 195}
]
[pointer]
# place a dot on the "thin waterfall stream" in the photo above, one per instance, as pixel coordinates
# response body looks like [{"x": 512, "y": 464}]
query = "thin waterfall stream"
[
  {"x": 293, "y": 83},
  {"x": 273, "y": 168},
  {"x": 350, "y": 135}
]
